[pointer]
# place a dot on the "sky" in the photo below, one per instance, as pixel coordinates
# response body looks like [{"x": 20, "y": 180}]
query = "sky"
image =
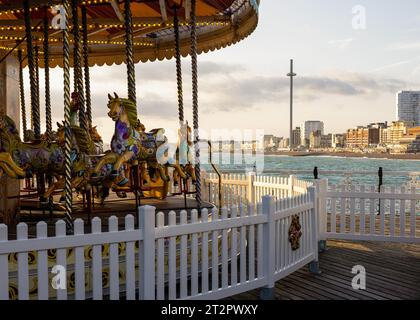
[{"x": 351, "y": 57}]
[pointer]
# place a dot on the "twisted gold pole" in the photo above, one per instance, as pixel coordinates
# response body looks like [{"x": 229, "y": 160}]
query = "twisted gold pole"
[
  {"x": 86, "y": 67},
  {"x": 67, "y": 135},
  {"x": 131, "y": 72},
  {"x": 77, "y": 64},
  {"x": 32, "y": 72},
  {"x": 48, "y": 120},
  {"x": 178, "y": 68},
  {"x": 194, "y": 72},
  {"x": 22, "y": 94}
]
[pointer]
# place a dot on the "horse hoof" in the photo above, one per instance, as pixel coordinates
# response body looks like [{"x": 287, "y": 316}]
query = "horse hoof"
[{"x": 121, "y": 194}]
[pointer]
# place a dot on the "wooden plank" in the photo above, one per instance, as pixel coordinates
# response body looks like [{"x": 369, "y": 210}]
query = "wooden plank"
[
  {"x": 402, "y": 213},
  {"x": 243, "y": 254},
  {"x": 194, "y": 256},
  {"x": 172, "y": 259},
  {"x": 234, "y": 250},
  {"x": 225, "y": 261},
  {"x": 42, "y": 265},
  {"x": 204, "y": 254},
  {"x": 4, "y": 266},
  {"x": 114, "y": 283},
  {"x": 413, "y": 214},
  {"x": 97, "y": 262},
  {"x": 183, "y": 258},
  {"x": 392, "y": 215},
  {"x": 130, "y": 270},
  {"x": 60, "y": 232},
  {"x": 79, "y": 263},
  {"x": 352, "y": 210},
  {"x": 251, "y": 246},
  {"x": 160, "y": 281},
  {"x": 215, "y": 254},
  {"x": 362, "y": 216}
]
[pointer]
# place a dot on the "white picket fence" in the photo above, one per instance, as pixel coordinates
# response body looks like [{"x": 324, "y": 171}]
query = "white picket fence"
[
  {"x": 250, "y": 188},
  {"x": 180, "y": 255},
  {"x": 358, "y": 212}
]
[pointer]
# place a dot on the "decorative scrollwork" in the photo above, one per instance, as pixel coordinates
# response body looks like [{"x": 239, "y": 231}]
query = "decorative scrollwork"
[{"x": 295, "y": 233}]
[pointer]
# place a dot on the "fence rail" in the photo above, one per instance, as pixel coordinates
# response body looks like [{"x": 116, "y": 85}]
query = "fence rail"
[
  {"x": 358, "y": 212},
  {"x": 240, "y": 189},
  {"x": 181, "y": 255},
  {"x": 268, "y": 228}
]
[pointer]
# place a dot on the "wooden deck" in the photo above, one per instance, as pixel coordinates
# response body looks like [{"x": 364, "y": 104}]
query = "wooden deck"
[{"x": 392, "y": 273}]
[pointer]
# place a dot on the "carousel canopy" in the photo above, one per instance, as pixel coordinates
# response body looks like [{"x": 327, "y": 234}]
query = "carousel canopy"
[{"x": 220, "y": 23}]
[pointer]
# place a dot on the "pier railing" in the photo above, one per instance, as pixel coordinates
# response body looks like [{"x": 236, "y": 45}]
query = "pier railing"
[
  {"x": 206, "y": 255},
  {"x": 250, "y": 188},
  {"x": 181, "y": 255},
  {"x": 359, "y": 212}
]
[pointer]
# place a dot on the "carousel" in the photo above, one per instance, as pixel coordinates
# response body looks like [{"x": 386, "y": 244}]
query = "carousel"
[{"x": 64, "y": 172}]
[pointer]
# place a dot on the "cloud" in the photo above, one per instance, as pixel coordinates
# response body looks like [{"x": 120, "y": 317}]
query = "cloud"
[
  {"x": 404, "y": 46},
  {"x": 244, "y": 92},
  {"x": 341, "y": 44}
]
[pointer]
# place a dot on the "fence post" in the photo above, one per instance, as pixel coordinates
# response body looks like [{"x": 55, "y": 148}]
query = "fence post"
[
  {"x": 251, "y": 188},
  {"x": 314, "y": 265},
  {"x": 291, "y": 184},
  {"x": 267, "y": 293},
  {"x": 147, "y": 260},
  {"x": 322, "y": 187}
]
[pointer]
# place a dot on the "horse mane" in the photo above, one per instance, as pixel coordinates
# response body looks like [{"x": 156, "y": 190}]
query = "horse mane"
[
  {"x": 84, "y": 141},
  {"x": 131, "y": 109},
  {"x": 8, "y": 124}
]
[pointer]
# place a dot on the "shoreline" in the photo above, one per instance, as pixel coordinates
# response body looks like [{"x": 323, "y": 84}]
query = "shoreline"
[{"x": 404, "y": 156}]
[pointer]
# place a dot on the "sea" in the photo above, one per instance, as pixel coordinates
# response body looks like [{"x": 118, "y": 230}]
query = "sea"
[{"x": 272, "y": 163}]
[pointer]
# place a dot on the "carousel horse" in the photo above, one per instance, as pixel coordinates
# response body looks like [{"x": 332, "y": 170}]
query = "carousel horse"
[
  {"x": 82, "y": 147},
  {"x": 184, "y": 153},
  {"x": 33, "y": 157},
  {"x": 125, "y": 142}
]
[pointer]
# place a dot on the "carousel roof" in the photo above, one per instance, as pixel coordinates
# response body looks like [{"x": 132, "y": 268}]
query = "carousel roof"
[{"x": 220, "y": 23}]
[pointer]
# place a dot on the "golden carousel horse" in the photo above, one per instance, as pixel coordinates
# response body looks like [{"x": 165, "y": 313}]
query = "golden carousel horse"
[{"x": 131, "y": 145}]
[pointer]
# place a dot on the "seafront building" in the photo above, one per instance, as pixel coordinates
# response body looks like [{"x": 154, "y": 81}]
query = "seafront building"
[
  {"x": 362, "y": 137},
  {"x": 296, "y": 136},
  {"x": 408, "y": 106},
  {"x": 307, "y": 128}
]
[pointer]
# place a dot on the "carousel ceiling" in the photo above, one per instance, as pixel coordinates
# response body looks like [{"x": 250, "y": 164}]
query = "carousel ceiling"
[{"x": 220, "y": 23}]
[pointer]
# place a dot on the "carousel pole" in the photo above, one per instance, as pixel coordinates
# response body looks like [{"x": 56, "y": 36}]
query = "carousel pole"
[
  {"x": 194, "y": 72},
  {"x": 32, "y": 72},
  {"x": 86, "y": 67},
  {"x": 22, "y": 94},
  {"x": 131, "y": 72},
  {"x": 178, "y": 68},
  {"x": 131, "y": 81},
  {"x": 67, "y": 135},
  {"x": 77, "y": 64},
  {"x": 48, "y": 121},
  {"x": 37, "y": 74},
  {"x": 40, "y": 178},
  {"x": 179, "y": 87}
]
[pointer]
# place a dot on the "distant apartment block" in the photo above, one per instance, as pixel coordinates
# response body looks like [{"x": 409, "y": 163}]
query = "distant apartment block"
[
  {"x": 337, "y": 140},
  {"x": 308, "y": 127},
  {"x": 362, "y": 137},
  {"x": 296, "y": 136},
  {"x": 408, "y": 106},
  {"x": 315, "y": 139},
  {"x": 393, "y": 134}
]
